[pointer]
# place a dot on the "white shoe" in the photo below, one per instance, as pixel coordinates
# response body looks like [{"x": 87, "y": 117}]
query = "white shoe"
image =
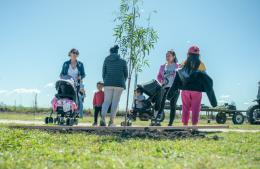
[
  {"x": 111, "y": 124},
  {"x": 155, "y": 114}
]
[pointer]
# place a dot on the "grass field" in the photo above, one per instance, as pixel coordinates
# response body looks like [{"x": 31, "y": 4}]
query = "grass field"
[{"x": 37, "y": 149}]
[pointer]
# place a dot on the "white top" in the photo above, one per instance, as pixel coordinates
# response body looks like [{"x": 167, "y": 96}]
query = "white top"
[
  {"x": 169, "y": 74},
  {"x": 73, "y": 72}
]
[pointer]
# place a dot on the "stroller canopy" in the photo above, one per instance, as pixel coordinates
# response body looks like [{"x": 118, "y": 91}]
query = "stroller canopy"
[
  {"x": 66, "y": 89},
  {"x": 150, "y": 88}
]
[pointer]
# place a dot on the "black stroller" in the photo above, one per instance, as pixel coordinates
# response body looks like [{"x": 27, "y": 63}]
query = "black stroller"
[
  {"x": 65, "y": 103},
  {"x": 151, "y": 89}
]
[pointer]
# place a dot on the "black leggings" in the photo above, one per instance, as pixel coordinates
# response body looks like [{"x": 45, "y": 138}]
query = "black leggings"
[
  {"x": 173, "y": 103},
  {"x": 96, "y": 113}
]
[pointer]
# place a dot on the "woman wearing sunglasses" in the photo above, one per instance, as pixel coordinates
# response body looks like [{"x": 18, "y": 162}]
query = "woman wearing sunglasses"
[{"x": 75, "y": 69}]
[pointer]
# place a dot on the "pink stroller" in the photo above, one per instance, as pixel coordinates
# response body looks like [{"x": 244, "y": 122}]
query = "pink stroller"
[{"x": 65, "y": 103}]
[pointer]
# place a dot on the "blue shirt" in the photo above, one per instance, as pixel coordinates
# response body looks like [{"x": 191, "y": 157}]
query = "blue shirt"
[{"x": 66, "y": 65}]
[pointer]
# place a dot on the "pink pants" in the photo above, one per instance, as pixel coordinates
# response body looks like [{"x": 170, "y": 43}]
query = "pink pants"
[{"x": 191, "y": 101}]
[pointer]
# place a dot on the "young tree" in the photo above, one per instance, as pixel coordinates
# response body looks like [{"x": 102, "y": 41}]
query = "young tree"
[{"x": 134, "y": 39}]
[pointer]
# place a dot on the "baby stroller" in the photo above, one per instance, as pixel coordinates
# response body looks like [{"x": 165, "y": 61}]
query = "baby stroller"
[
  {"x": 151, "y": 89},
  {"x": 65, "y": 103}
]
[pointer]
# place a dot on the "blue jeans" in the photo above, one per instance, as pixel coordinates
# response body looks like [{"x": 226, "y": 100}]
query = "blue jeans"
[{"x": 80, "y": 106}]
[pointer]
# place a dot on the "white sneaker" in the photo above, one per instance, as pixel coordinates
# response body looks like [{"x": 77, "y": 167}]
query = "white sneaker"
[
  {"x": 155, "y": 114},
  {"x": 111, "y": 124}
]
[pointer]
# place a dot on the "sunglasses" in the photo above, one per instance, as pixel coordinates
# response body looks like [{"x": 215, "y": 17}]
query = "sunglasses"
[{"x": 76, "y": 53}]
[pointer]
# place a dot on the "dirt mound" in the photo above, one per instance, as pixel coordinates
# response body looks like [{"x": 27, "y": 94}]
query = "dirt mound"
[
  {"x": 124, "y": 133},
  {"x": 147, "y": 133}
]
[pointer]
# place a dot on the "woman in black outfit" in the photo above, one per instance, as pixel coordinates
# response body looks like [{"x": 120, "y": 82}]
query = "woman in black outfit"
[{"x": 166, "y": 76}]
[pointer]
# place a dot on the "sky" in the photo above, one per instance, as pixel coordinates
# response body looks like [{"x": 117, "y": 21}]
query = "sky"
[{"x": 36, "y": 35}]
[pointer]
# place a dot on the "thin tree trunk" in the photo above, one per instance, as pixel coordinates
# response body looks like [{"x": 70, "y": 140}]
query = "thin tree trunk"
[
  {"x": 128, "y": 90},
  {"x": 135, "y": 85},
  {"x": 130, "y": 67},
  {"x": 136, "y": 78}
]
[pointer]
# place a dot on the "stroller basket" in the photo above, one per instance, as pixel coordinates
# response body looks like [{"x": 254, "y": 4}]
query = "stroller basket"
[{"x": 150, "y": 88}]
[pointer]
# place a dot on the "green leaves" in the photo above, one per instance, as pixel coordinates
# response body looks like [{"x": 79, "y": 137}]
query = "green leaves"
[{"x": 135, "y": 41}]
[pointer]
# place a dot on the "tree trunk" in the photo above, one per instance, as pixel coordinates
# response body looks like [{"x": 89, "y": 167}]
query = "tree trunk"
[
  {"x": 136, "y": 78},
  {"x": 130, "y": 68}
]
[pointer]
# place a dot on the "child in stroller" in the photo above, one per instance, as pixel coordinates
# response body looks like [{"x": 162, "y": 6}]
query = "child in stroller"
[
  {"x": 139, "y": 105},
  {"x": 145, "y": 108},
  {"x": 65, "y": 103}
]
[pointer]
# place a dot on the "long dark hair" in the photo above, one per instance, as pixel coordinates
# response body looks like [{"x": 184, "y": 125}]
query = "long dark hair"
[
  {"x": 174, "y": 55},
  {"x": 192, "y": 63}
]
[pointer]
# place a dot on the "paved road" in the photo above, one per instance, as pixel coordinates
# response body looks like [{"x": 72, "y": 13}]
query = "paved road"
[{"x": 37, "y": 122}]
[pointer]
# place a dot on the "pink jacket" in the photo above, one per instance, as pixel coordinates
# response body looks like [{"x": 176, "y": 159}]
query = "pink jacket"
[{"x": 160, "y": 76}]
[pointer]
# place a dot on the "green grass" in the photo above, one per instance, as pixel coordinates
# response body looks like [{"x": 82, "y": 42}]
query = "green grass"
[
  {"x": 22, "y": 116},
  {"x": 36, "y": 149}
]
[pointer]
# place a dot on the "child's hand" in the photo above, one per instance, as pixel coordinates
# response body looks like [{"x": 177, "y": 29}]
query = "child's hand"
[
  {"x": 162, "y": 82},
  {"x": 82, "y": 91}
]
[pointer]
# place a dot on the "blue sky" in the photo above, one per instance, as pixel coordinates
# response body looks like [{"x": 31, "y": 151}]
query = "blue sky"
[{"x": 36, "y": 35}]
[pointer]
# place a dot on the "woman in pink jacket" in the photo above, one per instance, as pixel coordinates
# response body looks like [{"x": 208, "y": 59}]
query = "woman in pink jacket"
[{"x": 166, "y": 77}]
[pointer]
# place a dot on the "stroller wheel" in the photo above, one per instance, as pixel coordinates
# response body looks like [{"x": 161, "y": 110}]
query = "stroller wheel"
[
  {"x": 61, "y": 121},
  {"x": 76, "y": 121},
  {"x": 72, "y": 121},
  {"x": 128, "y": 123},
  {"x": 50, "y": 119},
  {"x": 46, "y": 120},
  {"x": 55, "y": 120},
  {"x": 122, "y": 123},
  {"x": 69, "y": 121}
]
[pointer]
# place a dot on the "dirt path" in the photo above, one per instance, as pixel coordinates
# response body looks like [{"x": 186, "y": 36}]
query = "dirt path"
[
  {"x": 40, "y": 123},
  {"x": 231, "y": 130}
]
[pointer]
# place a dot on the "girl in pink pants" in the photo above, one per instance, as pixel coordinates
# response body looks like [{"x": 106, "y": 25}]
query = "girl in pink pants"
[{"x": 191, "y": 101}]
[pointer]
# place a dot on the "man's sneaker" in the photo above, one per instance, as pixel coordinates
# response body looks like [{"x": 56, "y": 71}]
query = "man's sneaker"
[
  {"x": 155, "y": 114},
  {"x": 111, "y": 124},
  {"x": 159, "y": 116},
  {"x": 102, "y": 123},
  {"x": 94, "y": 124},
  {"x": 157, "y": 123}
]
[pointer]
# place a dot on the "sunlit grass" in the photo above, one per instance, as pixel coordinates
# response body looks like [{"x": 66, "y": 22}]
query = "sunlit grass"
[{"x": 36, "y": 149}]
